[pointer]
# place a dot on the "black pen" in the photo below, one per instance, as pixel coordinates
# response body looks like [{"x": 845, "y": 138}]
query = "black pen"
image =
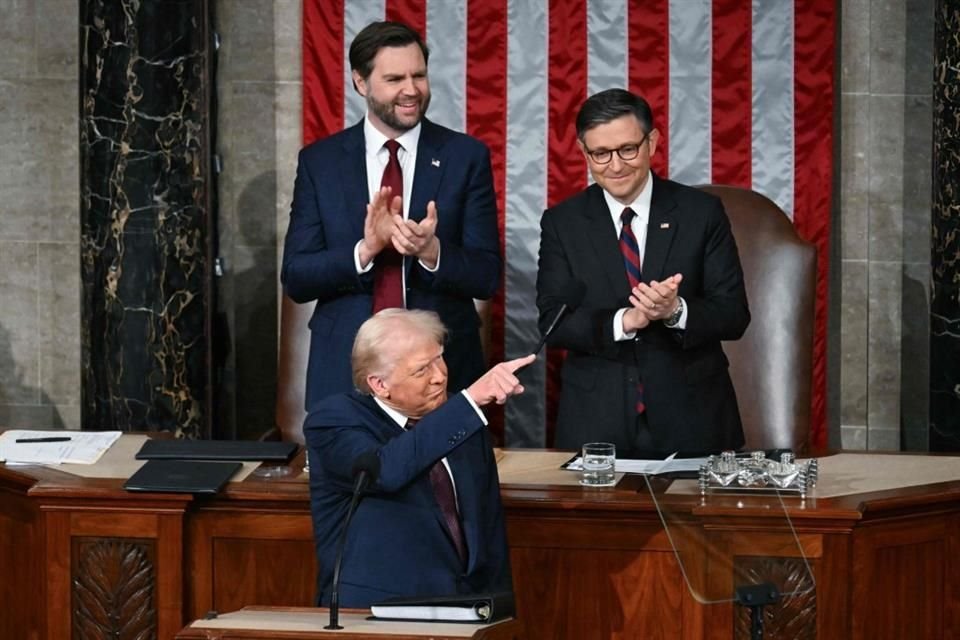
[{"x": 51, "y": 439}]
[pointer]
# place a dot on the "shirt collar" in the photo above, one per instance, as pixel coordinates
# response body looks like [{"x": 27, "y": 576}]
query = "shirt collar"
[
  {"x": 640, "y": 204},
  {"x": 395, "y": 415},
  {"x": 375, "y": 139}
]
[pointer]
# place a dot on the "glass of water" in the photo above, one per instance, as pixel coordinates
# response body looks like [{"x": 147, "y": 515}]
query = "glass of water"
[{"x": 599, "y": 461}]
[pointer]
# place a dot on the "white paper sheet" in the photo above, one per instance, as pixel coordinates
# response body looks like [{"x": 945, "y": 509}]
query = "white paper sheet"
[
  {"x": 649, "y": 467},
  {"x": 81, "y": 447}
]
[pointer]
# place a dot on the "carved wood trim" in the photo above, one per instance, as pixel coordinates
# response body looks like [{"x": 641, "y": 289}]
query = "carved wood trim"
[
  {"x": 795, "y": 616},
  {"x": 113, "y": 589}
]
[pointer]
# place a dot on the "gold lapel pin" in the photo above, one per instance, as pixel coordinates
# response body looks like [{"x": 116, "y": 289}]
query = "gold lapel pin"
[
  {"x": 435, "y": 162},
  {"x": 664, "y": 225}
]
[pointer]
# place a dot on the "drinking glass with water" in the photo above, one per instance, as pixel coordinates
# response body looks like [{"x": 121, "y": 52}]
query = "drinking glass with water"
[{"x": 599, "y": 462}]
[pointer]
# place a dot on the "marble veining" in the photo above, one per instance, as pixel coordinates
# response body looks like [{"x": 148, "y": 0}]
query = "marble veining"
[
  {"x": 945, "y": 244},
  {"x": 144, "y": 215}
]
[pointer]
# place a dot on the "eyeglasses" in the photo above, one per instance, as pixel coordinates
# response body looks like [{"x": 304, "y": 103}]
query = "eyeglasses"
[{"x": 626, "y": 152}]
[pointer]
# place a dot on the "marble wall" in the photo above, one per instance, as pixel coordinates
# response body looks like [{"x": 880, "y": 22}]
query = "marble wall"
[
  {"x": 884, "y": 229},
  {"x": 39, "y": 219},
  {"x": 945, "y": 300},
  {"x": 145, "y": 216}
]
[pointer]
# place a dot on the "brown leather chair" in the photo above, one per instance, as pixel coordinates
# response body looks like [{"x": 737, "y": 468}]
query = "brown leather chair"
[
  {"x": 772, "y": 364},
  {"x": 292, "y": 368}
]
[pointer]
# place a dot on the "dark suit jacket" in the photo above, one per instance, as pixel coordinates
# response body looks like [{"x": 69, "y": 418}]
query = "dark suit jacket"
[
  {"x": 398, "y": 543},
  {"x": 691, "y": 405},
  {"x": 326, "y": 222}
]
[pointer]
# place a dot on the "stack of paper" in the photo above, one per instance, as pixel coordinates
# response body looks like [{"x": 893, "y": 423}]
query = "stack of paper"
[
  {"x": 54, "y": 447},
  {"x": 648, "y": 467}
]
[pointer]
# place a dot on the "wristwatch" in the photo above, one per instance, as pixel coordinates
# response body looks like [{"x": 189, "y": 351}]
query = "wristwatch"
[{"x": 674, "y": 318}]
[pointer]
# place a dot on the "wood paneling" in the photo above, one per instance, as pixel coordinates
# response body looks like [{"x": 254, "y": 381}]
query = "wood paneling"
[{"x": 586, "y": 564}]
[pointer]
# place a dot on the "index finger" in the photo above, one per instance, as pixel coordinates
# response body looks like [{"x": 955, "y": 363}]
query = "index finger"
[
  {"x": 416, "y": 229},
  {"x": 513, "y": 365},
  {"x": 664, "y": 288}
]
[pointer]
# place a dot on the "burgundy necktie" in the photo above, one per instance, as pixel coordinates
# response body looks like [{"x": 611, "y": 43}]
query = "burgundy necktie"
[
  {"x": 388, "y": 265},
  {"x": 443, "y": 492},
  {"x": 631, "y": 260}
]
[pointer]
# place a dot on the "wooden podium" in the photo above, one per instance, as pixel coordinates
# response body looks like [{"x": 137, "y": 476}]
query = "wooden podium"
[
  {"x": 80, "y": 557},
  {"x": 266, "y": 623}
]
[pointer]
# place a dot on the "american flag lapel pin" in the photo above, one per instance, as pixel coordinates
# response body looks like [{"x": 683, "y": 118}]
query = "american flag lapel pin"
[
  {"x": 664, "y": 225},
  {"x": 435, "y": 162}
]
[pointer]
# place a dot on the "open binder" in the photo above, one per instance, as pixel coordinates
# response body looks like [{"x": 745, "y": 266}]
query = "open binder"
[{"x": 482, "y": 608}]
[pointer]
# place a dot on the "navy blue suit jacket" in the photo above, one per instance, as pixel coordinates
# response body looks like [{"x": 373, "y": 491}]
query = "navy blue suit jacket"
[
  {"x": 690, "y": 401},
  {"x": 398, "y": 543},
  {"x": 326, "y": 222}
]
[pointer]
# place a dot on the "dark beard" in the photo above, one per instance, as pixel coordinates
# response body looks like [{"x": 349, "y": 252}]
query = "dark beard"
[{"x": 384, "y": 112}]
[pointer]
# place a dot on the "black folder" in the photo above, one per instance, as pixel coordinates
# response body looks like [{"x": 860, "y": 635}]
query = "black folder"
[
  {"x": 244, "y": 450},
  {"x": 480, "y": 608},
  {"x": 181, "y": 476}
]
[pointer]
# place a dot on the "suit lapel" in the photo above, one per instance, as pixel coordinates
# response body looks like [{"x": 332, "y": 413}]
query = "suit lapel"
[
  {"x": 603, "y": 238},
  {"x": 353, "y": 177},
  {"x": 429, "y": 170},
  {"x": 661, "y": 228},
  {"x": 426, "y": 175}
]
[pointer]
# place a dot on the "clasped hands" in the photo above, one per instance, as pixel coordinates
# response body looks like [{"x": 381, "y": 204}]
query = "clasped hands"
[
  {"x": 384, "y": 226},
  {"x": 650, "y": 302}
]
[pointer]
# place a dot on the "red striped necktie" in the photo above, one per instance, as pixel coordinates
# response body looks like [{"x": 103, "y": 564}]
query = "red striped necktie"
[
  {"x": 388, "y": 265},
  {"x": 447, "y": 500},
  {"x": 630, "y": 249}
]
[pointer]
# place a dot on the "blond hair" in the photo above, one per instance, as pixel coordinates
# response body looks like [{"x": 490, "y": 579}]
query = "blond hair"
[{"x": 371, "y": 355}]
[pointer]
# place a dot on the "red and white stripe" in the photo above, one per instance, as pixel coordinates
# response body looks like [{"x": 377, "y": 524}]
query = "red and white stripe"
[{"x": 742, "y": 93}]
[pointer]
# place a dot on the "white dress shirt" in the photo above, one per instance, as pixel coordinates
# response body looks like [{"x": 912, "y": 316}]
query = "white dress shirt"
[
  {"x": 377, "y": 157},
  {"x": 641, "y": 207}
]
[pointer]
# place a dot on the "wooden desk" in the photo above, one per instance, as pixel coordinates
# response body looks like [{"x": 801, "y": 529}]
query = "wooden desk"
[
  {"x": 77, "y": 553},
  {"x": 267, "y": 623}
]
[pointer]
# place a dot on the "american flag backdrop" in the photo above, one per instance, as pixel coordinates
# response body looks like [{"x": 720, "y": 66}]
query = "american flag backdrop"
[{"x": 742, "y": 92}]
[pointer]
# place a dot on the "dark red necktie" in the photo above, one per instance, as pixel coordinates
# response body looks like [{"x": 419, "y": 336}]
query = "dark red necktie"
[
  {"x": 443, "y": 492},
  {"x": 631, "y": 260},
  {"x": 388, "y": 265}
]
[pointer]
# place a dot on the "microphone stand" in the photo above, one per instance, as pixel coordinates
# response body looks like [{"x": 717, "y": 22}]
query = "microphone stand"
[
  {"x": 573, "y": 299},
  {"x": 369, "y": 466}
]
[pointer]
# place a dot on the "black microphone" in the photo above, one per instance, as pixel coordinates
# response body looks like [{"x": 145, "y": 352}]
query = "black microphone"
[
  {"x": 571, "y": 301},
  {"x": 365, "y": 469}
]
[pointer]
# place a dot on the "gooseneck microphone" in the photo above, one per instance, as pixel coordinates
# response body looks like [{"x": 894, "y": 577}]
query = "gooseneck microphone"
[
  {"x": 366, "y": 469},
  {"x": 571, "y": 301}
]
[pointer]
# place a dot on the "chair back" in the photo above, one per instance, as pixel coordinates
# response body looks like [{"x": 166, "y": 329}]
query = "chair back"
[
  {"x": 772, "y": 364},
  {"x": 292, "y": 368}
]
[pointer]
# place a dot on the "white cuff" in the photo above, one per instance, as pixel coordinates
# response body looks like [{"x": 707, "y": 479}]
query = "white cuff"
[
  {"x": 356, "y": 260},
  {"x": 619, "y": 335}
]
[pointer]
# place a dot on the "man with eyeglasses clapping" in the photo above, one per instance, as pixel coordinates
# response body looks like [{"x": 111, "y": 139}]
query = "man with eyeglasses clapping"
[{"x": 644, "y": 368}]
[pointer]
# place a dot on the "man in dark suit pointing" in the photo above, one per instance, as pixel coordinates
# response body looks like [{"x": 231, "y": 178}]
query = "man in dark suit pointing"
[
  {"x": 432, "y": 524},
  {"x": 394, "y": 211},
  {"x": 644, "y": 368}
]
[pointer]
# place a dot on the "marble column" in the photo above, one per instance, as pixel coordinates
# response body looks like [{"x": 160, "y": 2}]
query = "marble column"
[
  {"x": 945, "y": 245},
  {"x": 145, "y": 218}
]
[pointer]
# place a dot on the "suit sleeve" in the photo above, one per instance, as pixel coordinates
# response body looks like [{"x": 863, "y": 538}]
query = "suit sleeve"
[
  {"x": 314, "y": 267},
  {"x": 403, "y": 457},
  {"x": 587, "y": 329},
  {"x": 719, "y": 310},
  {"x": 470, "y": 252}
]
